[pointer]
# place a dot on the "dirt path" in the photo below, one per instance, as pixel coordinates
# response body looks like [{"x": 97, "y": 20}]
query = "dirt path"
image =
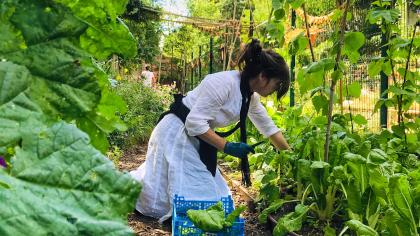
[{"x": 148, "y": 226}]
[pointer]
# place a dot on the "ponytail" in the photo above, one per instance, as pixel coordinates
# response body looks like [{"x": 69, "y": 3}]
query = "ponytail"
[{"x": 255, "y": 60}]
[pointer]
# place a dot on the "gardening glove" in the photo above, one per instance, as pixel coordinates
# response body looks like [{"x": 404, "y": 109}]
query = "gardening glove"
[{"x": 240, "y": 150}]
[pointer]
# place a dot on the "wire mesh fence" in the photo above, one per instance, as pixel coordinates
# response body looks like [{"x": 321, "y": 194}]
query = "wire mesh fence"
[{"x": 370, "y": 87}]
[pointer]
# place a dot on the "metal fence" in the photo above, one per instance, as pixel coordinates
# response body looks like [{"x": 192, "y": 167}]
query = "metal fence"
[{"x": 371, "y": 91}]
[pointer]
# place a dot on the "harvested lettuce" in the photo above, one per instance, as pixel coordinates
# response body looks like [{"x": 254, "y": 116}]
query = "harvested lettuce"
[{"x": 213, "y": 218}]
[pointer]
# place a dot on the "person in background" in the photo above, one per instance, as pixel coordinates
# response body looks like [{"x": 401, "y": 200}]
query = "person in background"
[{"x": 148, "y": 77}]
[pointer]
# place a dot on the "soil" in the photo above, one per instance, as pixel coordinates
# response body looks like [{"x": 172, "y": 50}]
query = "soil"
[{"x": 143, "y": 225}]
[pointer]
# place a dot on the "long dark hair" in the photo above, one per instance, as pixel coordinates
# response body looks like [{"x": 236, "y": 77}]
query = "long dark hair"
[{"x": 255, "y": 60}]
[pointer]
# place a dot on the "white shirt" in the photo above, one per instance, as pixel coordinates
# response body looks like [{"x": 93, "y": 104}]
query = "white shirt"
[
  {"x": 148, "y": 78},
  {"x": 216, "y": 102}
]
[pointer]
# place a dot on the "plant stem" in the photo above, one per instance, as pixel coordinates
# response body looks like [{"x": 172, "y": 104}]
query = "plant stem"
[
  {"x": 394, "y": 79},
  {"x": 351, "y": 116},
  {"x": 407, "y": 63},
  {"x": 334, "y": 82},
  {"x": 307, "y": 32},
  {"x": 343, "y": 231}
]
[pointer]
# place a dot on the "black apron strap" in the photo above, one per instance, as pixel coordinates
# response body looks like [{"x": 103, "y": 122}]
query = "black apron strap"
[{"x": 207, "y": 152}]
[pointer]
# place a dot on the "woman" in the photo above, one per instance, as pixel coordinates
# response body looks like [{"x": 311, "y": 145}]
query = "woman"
[{"x": 181, "y": 152}]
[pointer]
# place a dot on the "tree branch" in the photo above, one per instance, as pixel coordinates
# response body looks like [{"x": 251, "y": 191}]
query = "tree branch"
[
  {"x": 334, "y": 82},
  {"x": 307, "y": 32}
]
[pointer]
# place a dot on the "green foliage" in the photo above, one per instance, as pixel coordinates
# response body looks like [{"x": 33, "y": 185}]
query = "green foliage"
[
  {"x": 51, "y": 87},
  {"x": 146, "y": 27},
  {"x": 354, "y": 90},
  {"x": 360, "y": 228},
  {"x": 205, "y": 9},
  {"x": 43, "y": 178},
  {"x": 353, "y": 41},
  {"x": 292, "y": 221},
  {"x": 384, "y": 15},
  {"x": 114, "y": 154},
  {"x": 144, "y": 106},
  {"x": 354, "y": 185},
  {"x": 209, "y": 220},
  {"x": 213, "y": 218},
  {"x": 402, "y": 94},
  {"x": 274, "y": 206},
  {"x": 298, "y": 44},
  {"x": 106, "y": 34},
  {"x": 66, "y": 83},
  {"x": 402, "y": 201},
  {"x": 375, "y": 68},
  {"x": 360, "y": 170}
]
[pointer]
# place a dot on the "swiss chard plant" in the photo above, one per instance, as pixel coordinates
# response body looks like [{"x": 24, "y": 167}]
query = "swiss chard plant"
[
  {"x": 55, "y": 113},
  {"x": 367, "y": 180}
]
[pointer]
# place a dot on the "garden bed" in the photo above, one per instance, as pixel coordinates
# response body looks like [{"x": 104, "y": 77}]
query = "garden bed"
[{"x": 143, "y": 225}]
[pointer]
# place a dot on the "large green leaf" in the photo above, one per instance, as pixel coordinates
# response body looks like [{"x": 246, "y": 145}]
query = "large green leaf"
[
  {"x": 274, "y": 206},
  {"x": 15, "y": 106},
  {"x": 389, "y": 16},
  {"x": 291, "y": 222},
  {"x": 304, "y": 171},
  {"x": 298, "y": 44},
  {"x": 325, "y": 64},
  {"x": 395, "y": 224},
  {"x": 359, "y": 119},
  {"x": 279, "y": 13},
  {"x": 64, "y": 73},
  {"x": 56, "y": 182},
  {"x": 371, "y": 207},
  {"x": 320, "y": 103},
  {"x": 361, "y": 229},
  {"x": 415, "y": 191},
  {"x": 106, "y": 34},
  {"x": 70, "y": 91},
  {"x": 358, "y": 182},
  {"x": 309, "y": 81},
  {"x": 353, "y": 41},
  {"x": 210, "y": 220},
  {"x": 60, "y": 185},
  {"x": 377, "y": 156},
  {"x": 375, "y": 67},
  {"x": 65, "y": 82},
  {"x": 401, "y": 199},
  {"x": 354, "y": 89}
]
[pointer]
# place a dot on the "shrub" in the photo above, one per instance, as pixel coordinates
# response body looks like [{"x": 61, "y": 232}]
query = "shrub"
[{"x": 144, "y": 106}]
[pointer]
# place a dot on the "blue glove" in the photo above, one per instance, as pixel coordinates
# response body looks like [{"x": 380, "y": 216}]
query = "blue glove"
[{"x": 240, "y": 150}]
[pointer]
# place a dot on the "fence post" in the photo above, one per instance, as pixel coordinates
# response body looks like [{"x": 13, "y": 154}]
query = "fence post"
[
  {"x": 192, "y": 71},
  {"x": 199, "y": 62},
  {"x": 292, "y": 67},
  {"x": 211, "y": 55},
  {"x": 251, "y": 20},
  {"x": 172, "y": 61}
]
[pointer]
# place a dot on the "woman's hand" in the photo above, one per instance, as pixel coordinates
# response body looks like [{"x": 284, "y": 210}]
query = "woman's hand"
[
  {"x": 279, "y": 141},
  {"x": 240, "y": 150}
]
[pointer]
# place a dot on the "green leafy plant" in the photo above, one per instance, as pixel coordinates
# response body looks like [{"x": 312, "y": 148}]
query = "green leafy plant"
[
  {"x": 213, "y": 218},
  {"x": 399, "y": 51},
  {"x": 144, "y": 107},
  {"x": 56, "y": 110}
]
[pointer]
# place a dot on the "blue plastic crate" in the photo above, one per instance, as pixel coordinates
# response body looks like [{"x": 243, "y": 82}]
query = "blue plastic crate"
[{"x": 181, "y": 225}]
